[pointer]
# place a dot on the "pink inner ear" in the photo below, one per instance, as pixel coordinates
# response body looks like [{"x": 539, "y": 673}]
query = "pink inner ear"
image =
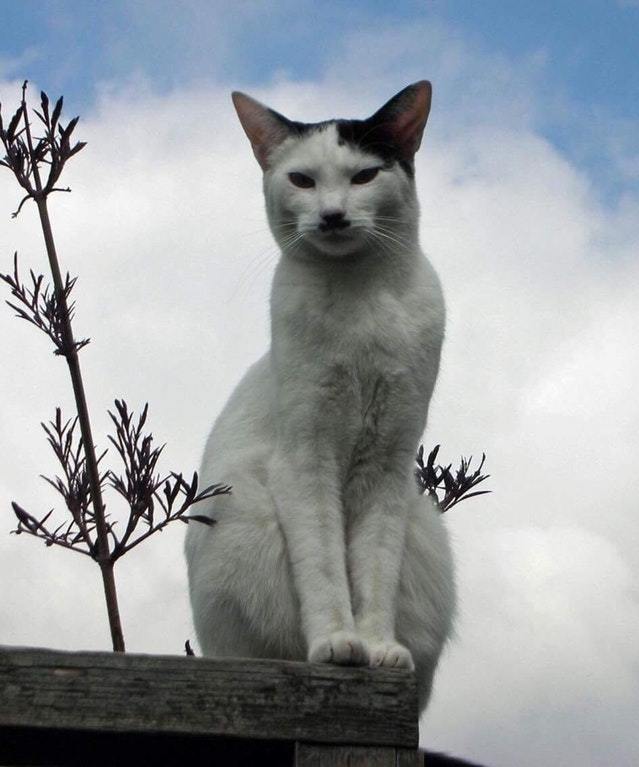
[
  {"x": 263, "y": 129},
  {"x": 408, "y": 125}
]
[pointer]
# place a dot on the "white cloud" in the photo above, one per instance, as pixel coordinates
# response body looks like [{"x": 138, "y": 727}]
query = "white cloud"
[
  {"x": 545, "y": 656},
  {"x": 166, "y": 231}
]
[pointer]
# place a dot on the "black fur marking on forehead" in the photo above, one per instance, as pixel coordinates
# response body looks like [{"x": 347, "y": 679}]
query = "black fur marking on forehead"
[
  {"x": 373, "y": 138},
  {"x": 366, "y": 135},
  {"x": 300, "y": 129}
]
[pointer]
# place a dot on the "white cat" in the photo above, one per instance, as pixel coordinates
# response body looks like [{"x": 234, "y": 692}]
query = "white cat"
[{"x": 325, "y": 550}]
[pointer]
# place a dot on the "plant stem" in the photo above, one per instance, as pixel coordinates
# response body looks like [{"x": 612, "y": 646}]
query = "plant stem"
[
  {"x": 111, "y": 597},
  {"x": 71, "y": 356}
]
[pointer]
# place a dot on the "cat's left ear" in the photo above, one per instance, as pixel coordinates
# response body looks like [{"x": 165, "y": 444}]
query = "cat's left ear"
[
  {"x": 404, "y": 117},
  {"x": 264, "y": 127}
]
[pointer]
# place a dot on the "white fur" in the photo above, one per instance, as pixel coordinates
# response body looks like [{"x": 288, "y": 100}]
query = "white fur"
[{"x": 325, "y": 550}]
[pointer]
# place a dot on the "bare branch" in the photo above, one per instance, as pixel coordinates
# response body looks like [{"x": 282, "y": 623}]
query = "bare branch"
[
  {"x": 29, "y": 524},
  {"x": 16, "y": 212}
]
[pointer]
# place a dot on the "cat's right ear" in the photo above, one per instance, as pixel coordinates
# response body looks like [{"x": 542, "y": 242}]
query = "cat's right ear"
[
  {"x": 264, "y": 127},
  {"x": 404, "y": 117}
]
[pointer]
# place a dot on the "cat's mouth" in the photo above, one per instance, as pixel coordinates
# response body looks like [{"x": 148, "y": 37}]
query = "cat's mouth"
[
  {"x": 335, "y": 235},
  {"x": 337, "y": 238},
  {"x": 335, "y": 242}
]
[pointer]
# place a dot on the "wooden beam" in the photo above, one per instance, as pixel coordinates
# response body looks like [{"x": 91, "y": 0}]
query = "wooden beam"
[
  {"x": 314, "y": 755},
  {"x": 59, "y": 692}
]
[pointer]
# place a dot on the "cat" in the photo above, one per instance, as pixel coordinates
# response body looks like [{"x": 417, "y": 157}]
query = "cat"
[{"x": 325, "y": 551}]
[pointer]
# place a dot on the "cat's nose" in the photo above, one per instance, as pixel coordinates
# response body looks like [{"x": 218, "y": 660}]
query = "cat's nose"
[{"x": 333, "y": 219}]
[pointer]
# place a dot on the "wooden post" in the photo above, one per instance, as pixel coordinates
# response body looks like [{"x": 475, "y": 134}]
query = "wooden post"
[{"x": 60, "y": 708}]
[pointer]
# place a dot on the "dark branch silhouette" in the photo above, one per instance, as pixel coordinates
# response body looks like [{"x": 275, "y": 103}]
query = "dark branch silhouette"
[
  {"x": 40, "y": 306},
  {"x": 153, "y": 500},
  {"x": 444, "y": 487}
]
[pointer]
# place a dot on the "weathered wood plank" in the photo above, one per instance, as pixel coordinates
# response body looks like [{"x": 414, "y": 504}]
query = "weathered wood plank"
[
  {"x": 275, "y": 700},
  {"x": 410, "y": 757},
  {"x": 321, "y": 755}
]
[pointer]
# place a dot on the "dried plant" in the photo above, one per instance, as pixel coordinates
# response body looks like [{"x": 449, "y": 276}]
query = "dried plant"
[
  {"x": 40, "y": 306},
  {"x": 444, "y": 487},
  {"x": 153, "y": 500},
  {"x": 53, "y": 148}
]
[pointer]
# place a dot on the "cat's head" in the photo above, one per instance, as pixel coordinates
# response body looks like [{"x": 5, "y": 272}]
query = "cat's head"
[{"x": 333, "y": 187}]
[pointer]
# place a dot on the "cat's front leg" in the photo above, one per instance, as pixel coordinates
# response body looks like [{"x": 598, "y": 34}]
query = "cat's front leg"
[
  {"x": 310, "y": 513},
  {"x": 378, "y": 515}
]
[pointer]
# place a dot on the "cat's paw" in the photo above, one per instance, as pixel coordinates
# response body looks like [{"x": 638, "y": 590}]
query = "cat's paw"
[
  {"x": 391, "y": 655},
  {"x": 342, "y": 647}
]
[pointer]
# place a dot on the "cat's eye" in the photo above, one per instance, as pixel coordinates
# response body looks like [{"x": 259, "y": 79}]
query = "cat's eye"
[
  {"x": 364, "y": 176},
  {"x": 301, "y": 180}
]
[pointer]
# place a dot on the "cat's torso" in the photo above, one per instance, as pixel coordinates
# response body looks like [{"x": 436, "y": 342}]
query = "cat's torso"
[
  {"x": 325, "y": 549},
  {"x": 355, "y": 347}
]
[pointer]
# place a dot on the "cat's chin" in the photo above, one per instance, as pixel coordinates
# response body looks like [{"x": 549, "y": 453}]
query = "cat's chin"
[{"x": 335, "y": 244}]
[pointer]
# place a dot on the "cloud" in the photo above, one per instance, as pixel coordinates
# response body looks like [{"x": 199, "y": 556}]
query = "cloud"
[
  {"x": 166, "y": 231},
  {"x": 11, "y": 64},
  {"x": 541, "y": 672}
]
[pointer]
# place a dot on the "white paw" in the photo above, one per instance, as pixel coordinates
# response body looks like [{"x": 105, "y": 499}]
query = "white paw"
[
  {"x": 341, "y": 647},
  {"x": 391, "y": 655}
]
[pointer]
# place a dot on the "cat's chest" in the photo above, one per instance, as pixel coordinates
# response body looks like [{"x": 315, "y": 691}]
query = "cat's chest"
[
  {"x": 363, "y": 326},
  {"x": 351, "y": 364}
]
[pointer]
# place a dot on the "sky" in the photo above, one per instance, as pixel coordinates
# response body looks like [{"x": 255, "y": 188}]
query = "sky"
[{"x": 528, "y": 178}]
